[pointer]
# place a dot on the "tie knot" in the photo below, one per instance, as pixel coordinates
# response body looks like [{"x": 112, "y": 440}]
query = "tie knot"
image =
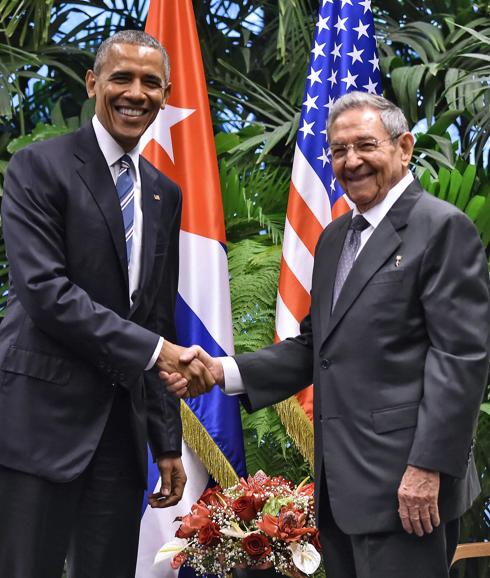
[
  {"x": 358, "y": 223},
  {"x": 125, "y": 163}
]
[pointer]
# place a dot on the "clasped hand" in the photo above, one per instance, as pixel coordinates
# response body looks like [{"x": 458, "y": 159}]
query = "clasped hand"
[
  {"x": 185, "y": 370},
  {"x": 192, "y": 373}
]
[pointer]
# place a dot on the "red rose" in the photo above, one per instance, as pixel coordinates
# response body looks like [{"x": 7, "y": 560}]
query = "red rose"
[
  {"x": 246, "y": 507},
  {"x": 256, "y": 545},
  {"x": 193, "y": 522},
  {"x": 210, "y": 496},
  {"x": 209, "y": 534}
]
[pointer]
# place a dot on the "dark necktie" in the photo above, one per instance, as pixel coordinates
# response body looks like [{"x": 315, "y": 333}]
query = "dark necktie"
[
  {"x": 125, "y": 192},
  {"x": 351, "y": 246}
]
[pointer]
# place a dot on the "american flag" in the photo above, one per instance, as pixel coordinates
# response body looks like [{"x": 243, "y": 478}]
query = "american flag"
[{"x": 343, "y": 58}]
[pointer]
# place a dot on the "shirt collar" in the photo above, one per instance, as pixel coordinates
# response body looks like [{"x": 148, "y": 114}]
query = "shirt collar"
[
  {"x": 110, "y": 148},
  {"x": 376, "y": 214}
]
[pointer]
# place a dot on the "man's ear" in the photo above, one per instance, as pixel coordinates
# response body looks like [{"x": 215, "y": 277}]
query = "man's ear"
[
  {"x": 166, "y": 94},
  {"x": 406, "y": 142},
  {"x": 90, "y": 80}
]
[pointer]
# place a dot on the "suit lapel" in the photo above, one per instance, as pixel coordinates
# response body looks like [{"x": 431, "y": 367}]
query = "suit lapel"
[
  {"x": 150, "y": 202},
  {"x": 97, "y": 177},
  {"x": 378, "y": 249}
]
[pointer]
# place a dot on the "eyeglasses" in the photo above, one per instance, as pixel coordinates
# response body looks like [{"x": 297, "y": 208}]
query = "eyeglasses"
[{"x": 361, "y": 148}]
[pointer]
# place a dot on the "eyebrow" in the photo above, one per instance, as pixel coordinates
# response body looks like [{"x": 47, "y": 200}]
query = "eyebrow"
[{"x": 128, "y": 74}]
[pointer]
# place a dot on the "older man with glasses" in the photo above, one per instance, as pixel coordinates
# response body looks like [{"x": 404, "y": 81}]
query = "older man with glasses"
[{"x": 396, "y": 346}]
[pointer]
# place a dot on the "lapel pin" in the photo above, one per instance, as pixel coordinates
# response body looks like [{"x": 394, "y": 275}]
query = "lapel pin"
[
  {"x": 398, "y": 260},
  {"x": 156, "y": 197}
]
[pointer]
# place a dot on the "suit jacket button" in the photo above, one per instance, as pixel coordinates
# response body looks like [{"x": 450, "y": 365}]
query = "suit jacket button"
[{"x": 325, "y": 363}]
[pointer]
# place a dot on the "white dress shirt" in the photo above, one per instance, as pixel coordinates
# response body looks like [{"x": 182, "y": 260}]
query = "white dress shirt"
[
  {"x": 113, "y": 152},
  {"x": 374, "y": 216}
]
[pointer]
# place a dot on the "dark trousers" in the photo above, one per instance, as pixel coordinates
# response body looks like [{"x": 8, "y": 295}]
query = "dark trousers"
[
  {"x": 93, "y": 520},
  {"x": 385, "y": 555}
]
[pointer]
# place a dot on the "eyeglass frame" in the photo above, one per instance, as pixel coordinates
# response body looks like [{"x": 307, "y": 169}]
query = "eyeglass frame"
[{"x": 353, "y": 146}]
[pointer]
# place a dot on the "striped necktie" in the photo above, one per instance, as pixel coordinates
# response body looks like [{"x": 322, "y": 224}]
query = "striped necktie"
[{"x": 125, "y": 192}]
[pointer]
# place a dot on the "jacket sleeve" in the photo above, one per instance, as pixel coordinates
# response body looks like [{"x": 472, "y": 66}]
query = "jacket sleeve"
[
  {"x": 163, "y": 409},
  {"x": 455, "y": 297},
  {"x": 33, "y": 228}
]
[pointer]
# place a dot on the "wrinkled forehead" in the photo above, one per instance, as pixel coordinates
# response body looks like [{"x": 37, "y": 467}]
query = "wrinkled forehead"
[{"x": 357, "y": 123}]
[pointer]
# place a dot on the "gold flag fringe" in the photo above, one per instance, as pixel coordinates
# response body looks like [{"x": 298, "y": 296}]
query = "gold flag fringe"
[
  {"x": 202, "y": 444},
  {"x": 298, "y": 427}
]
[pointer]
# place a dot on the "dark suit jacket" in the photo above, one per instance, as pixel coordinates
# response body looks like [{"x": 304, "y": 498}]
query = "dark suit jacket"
[
  {"x": 398, "y": 368},
  {"x": 69, "y": 337}
]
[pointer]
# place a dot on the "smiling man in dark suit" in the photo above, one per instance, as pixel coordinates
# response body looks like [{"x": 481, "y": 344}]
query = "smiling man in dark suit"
[
  {"x": 396, "y": 344},
  {"x": 92, "y": 235}
]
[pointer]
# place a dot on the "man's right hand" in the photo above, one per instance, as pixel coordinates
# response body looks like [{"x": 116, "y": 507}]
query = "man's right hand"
[
  {"x": 178, "y": 383},
  {"x": 174, "y": 360}
]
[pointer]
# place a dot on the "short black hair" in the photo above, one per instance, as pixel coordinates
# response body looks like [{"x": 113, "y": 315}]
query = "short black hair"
[{"x": 137, "y": 38}]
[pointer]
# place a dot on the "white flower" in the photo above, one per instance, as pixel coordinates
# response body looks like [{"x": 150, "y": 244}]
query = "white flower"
[
  {"x": 171, "y": 548},
  {"x": 234, "y": 531},
  {"x": 305, "y": 558}
]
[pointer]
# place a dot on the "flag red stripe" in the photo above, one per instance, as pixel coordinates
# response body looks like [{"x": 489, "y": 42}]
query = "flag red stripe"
[
  {"x": 294, "y": 295},
  {"x": 303, "y": 220}
]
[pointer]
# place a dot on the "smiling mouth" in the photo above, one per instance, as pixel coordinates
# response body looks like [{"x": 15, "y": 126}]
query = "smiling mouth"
[{"x": 130, "y": 112}]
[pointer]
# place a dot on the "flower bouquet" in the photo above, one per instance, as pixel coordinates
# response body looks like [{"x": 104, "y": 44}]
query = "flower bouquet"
[{"x": 263, "y": 522}]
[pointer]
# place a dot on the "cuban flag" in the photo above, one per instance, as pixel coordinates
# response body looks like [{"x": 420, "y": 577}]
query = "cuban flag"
[
  {"x": 343, "y": 58},
  {"x": 180, "y": 143}
]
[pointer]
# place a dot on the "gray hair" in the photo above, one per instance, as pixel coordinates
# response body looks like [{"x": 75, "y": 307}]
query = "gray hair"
[
  {"x": 136, "y": 38},
  {"x": 391, "y": 116}
]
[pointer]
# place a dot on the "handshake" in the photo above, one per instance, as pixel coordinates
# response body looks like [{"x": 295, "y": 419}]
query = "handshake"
[{"x": 188, "y": 372}]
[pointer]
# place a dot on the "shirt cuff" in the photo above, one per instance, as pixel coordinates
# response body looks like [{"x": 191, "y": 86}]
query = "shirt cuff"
[
  {"x": 233, "y": 380},
  {"x": 154, "y": 357}
]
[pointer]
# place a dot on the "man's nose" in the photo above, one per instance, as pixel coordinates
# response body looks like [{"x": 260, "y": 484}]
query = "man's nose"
[
  {"x": 135, "y": 90},
  {"x": 352, "y": 159}
]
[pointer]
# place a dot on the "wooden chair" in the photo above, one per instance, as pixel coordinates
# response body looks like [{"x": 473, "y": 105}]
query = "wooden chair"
[{"x": 473, "y": 550}]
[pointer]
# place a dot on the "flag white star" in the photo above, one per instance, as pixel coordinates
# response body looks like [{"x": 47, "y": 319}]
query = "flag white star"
[
  {"x": 318, "y": 50},
  {"x": 344, "y": 2},
  {"x": 310, "y": 102},
  {"x": 325, "y": 2},
  {"x": 324, "y": 157},
  {"x": 371, "y": 86},
  {"x": 333, "y": 77},
  {"x": 336, "y": 51},
  {"x": 314, "y": 76},
  {"x": 341, "y": 24},
  {"x": 332, "y": 183},
  {"x": 322, "y": 23},
  {"x": 159, "y": 130},
  {"x": 350, "y": 80},
  {"x": 306, "y": 129},
  {"x": 356, "y": 54},
  {"x": 330, "y": 102},
  {"x": 366, "y": 4},
  {"x": 375, "y": 62},
  {"x": 361, "y": 30}
]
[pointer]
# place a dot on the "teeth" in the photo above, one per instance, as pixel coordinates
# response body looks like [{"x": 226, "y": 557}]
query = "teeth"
[{"x": 131, "y": 111}]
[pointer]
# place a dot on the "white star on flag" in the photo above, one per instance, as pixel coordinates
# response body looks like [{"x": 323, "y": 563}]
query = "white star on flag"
[
  {"x": 306, "y": 129},
  {"x": 159, "y": 130},
  {"x": 361, "y": 30},
  {"x": 355, "y": 54},
  {"x": 375, "y": 62},
  {"x": 332, "y": 183},
  {"x": 336, "y": 51},
  {"x": 322, "y": 23},
  {"x": 324, "y": 157},
  {"x": 344, "y": 2},
  {"x": 318, "y": 50},
  {"x": 314, "y": 76},
  {"x": 350, "y": 80},
  {"x": 370, "y": 86},
  {"x": 330, "y": 102},
  {"x": 366, "y": 4},
  {"x": 333, "y": 77},
  {"x": 310, "y": 102},
  {"x": 341, "y": 24}
]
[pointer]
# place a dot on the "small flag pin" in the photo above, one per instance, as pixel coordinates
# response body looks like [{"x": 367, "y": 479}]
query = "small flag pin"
[
  {"x": 156, "y": 197},
  {"x": 398, "y": 259}
]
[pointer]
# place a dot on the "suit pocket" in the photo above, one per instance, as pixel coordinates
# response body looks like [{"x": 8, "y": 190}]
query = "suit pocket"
[
  {"x": 37, "y": 365},
  {"x": 393, "y": 276},
  {"x": 395, "y": 418}
]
